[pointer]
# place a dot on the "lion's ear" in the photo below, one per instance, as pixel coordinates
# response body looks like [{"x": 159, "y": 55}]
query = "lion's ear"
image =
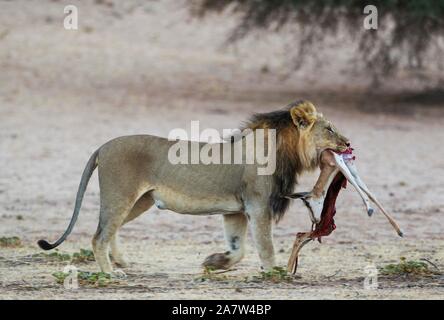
[{"x": 303, "y": 115}]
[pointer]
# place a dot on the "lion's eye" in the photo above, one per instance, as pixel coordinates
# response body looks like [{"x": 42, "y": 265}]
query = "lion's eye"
[{"x": 329, "y": 129}]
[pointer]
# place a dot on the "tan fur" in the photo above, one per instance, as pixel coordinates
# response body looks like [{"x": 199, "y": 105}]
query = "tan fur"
[{"x": 134, "y": 174}]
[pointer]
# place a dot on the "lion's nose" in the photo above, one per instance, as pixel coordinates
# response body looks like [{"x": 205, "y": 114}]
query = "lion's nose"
[{"x": 347, "y": 144}]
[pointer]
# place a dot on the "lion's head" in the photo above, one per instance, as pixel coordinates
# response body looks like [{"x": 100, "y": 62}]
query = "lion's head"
[
  {"x": 302, "y": 135},
  {"x": 315, "y": 133}
]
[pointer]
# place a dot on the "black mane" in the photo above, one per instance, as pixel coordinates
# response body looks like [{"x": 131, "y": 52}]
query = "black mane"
[{"x": 288, "y": 165}]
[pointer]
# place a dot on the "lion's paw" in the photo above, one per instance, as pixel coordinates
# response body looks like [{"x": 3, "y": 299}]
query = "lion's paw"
[{"x": 217, "y": 261}]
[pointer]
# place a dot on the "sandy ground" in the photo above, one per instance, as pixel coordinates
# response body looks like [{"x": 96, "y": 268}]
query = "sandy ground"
[{"x": 149, "y": 69}]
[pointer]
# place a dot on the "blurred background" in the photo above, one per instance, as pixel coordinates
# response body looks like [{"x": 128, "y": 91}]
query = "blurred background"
[{"x": 147, "y": 67}]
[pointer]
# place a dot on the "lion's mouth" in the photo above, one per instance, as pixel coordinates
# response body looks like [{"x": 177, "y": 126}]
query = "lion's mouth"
[
  {"x": 337, "y": 148},
  {"x": 343, "y": 148}
]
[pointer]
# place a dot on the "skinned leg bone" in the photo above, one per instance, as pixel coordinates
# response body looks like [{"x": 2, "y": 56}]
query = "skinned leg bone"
[
  {"x": 346, "y": 172},
  {"x": 349, "y": 171},
  {"x": 352, "y": 168}
]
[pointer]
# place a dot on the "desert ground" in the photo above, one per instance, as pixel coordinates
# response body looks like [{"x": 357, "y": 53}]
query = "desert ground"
[{"x": 147, "y": 68}]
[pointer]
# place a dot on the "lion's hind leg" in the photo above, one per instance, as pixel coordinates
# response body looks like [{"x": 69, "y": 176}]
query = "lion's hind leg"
[
  {"x": 116, "y": 255},
  {"x": 114, "y": 209},
  {"x": 110, "y": 221},
  {"x": 142, "y": 205},
  {"x": 235, "y": 226}
]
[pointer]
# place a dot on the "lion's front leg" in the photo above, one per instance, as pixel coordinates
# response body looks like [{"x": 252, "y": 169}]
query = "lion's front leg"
[
  {"x": 235, "y": 226},
  {"x": 262, "y": 231}
]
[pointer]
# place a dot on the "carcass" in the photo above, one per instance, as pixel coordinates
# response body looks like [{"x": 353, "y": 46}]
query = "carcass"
[{"x": 336, "y": 170}]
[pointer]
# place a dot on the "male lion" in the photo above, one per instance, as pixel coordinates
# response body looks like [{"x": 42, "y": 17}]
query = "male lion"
[{"x": 134, "y": 174}]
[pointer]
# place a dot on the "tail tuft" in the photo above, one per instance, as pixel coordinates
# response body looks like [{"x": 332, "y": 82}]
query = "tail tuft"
[
  {"x": 87, "y": 172},
  {"x": 45, "y": 245}
]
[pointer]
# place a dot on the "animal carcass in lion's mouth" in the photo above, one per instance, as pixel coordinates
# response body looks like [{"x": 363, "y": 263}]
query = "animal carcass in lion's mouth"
[{"x": 336, "y": 169}]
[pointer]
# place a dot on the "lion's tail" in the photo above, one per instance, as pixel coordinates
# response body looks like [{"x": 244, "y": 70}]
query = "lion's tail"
[{"x": 87, "y": 172}]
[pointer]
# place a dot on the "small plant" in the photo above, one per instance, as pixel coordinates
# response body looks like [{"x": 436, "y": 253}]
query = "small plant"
[
  {"x": 208, "y": 271},
  {"x": 60, "y": 276},
  {"x": 100, "y": 279},
  {"x": 85, "y": 278},
  {"x": 210, "y": 274},
  {"x": 10, "y": 242},
  {"x": 407, "y": 267},
  {"x": 56, "y": 255},
  {"x": 84, "y": 255},
  {"x": 277, "y": 274}
]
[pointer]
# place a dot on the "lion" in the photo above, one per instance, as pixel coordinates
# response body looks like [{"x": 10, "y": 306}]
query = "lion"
[{"x": 135, "y": 174}]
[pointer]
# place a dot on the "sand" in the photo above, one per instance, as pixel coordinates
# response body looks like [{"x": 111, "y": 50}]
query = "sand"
[{"x": 133, "y": 69}]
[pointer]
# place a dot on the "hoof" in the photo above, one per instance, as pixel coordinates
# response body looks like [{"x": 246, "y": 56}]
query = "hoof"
[{"x": 217, "y": 261}]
